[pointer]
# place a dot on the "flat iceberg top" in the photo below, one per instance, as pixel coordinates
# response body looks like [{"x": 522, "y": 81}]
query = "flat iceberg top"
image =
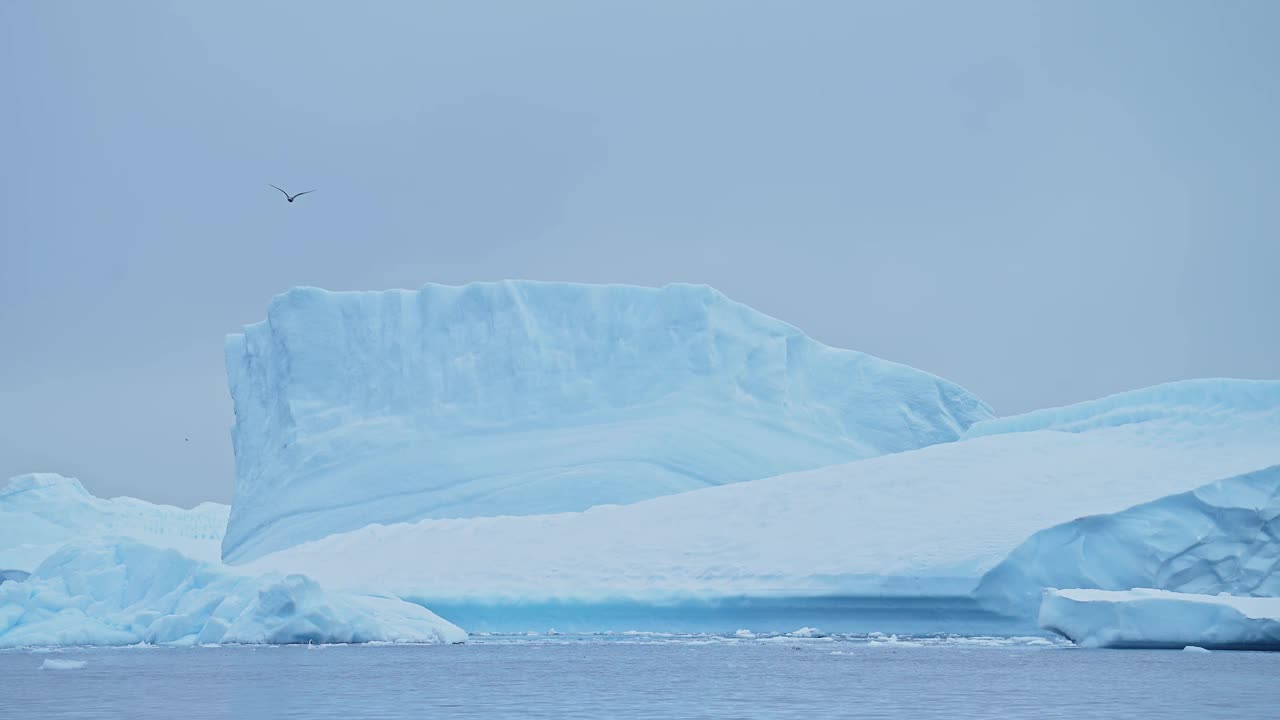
[
  {"x": 519, "y": 398},
  {"x": 39, "y": 512},
  {"x": 1144, "y": 618},
  {"x": 927, "y": 522}
]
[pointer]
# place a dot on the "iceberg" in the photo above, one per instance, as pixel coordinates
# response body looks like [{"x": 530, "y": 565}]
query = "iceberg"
[
  {"x": 1223, "y": 537},
  {"x": 1148, "y": 618},
  {"x": 895, "y": 543},
  {"x": 123, "y": 592},
  {"x": 40, "y": 512},
  {"x": 527, "y": 398}
]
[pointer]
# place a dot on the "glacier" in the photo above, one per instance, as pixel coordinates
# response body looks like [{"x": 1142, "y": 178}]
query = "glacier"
[
  {"x": 123, "y": 592},
  {"x": 1148, "y": 618},
  {"x": 526, "y": 398},
  {"x": 905, "y": 542},
  {"x": 41, "y": 512}
]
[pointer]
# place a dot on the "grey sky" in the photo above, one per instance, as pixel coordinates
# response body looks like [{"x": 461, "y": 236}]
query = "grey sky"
[{"x": 1044, "y": 203}]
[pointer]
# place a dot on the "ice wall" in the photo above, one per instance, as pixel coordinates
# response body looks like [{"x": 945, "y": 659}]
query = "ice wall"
[{"x": 517, "y": 398}]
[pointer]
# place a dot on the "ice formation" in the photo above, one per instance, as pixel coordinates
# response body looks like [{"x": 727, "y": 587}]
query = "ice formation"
[
  {"x": 42, "y": 511},
  {"x": 1221, "y": 537},
  {"x": 124, "y": 593},
  {"x": 1144, "y": 618},
  {"x": 898, "y": 529},
  {"x": 518, "y": 398}
]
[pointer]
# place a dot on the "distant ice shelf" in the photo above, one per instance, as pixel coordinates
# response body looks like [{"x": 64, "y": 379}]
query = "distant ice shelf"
[{"x": 1145, "y": 618}]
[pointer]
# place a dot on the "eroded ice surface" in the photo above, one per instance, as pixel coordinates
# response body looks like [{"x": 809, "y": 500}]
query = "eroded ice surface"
[
  {"x": 124, "y": 593},
  {"x": 40, "y": 512},
  {"x": 1221, "y": 537},
  {"x": 518, "y": 398},
  {"x": 926, "y": 523},
  {"x": 1146, "y": 618}
]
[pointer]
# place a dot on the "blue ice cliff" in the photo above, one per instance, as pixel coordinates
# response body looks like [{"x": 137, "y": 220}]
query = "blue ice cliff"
[{"x": 519, "y": 398}]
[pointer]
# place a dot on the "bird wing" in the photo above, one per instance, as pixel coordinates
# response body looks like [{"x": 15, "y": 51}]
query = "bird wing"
[
  {"x": 304, "y": 192},
  {"x": 285, "y": 193}
]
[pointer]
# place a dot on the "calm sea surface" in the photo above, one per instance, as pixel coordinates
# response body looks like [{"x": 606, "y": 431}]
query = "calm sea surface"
[{"x": 645, "y": 677}]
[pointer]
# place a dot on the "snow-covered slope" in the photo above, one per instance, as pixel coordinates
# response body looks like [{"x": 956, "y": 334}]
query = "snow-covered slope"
[
  {"x": 123, "y": 592},
  {"x": 927, "y": 523},
  {"x": 40, "y": 512},
  {"x": 1221, "y": 537},
  {"x": 1146, "y": 618},
  {"x": 517, "y": 398}
]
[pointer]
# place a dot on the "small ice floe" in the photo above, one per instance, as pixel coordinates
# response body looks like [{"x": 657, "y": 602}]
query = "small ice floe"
[
  {"x": 745, "y": 634},
  {"x": 893, "y": 641},
  {"x": 1195, "y": 649},
  {"x": 55, "y": 664},
  {"x": 807, "y": 632}
]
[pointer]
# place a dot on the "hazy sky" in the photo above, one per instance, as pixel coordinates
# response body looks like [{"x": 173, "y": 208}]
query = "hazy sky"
[{"x": 1043, "y": 203}]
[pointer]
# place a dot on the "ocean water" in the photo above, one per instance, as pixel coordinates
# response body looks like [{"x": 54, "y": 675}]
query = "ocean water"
[{"x": 644, "y": 676}]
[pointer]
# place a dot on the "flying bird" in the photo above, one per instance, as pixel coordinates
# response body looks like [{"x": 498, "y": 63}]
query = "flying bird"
[{"x": 289, "y": 197}]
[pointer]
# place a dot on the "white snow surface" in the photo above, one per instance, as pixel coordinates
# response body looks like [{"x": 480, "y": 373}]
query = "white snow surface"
[
  {"x": 1147, "y": 618},
  {"x": 926, "y": 522},
  {"x": 124, "y": 593},
  {"x": 520, "y": 398},
  {"x": 40, "y": 512}
]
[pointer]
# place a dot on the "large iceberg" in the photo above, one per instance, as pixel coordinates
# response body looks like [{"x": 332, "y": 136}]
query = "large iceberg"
[
  {"x": 41, "y": 512},
  {"x": 123, "y": 592},
  {"x": 887, "y": 541},
  {"x": 1146, "y": 618},
  {"x": 518, "y": 398}
]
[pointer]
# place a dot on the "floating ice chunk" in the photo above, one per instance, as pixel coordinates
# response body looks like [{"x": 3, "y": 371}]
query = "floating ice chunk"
[
  {"x": 54, "y": 664},
  {"x": 1219, "y": 537},
  {"x": 125, "y": 593},
  {"x": 1145, "y": 618},
  {"x": 1195, "y": 649}
]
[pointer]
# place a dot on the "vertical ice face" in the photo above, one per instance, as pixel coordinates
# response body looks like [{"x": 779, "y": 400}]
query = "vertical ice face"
[{"x": 516, "y": 398}]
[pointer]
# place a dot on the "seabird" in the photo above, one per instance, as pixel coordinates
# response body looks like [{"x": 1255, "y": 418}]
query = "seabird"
[{"x": 289, "y": 197}]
